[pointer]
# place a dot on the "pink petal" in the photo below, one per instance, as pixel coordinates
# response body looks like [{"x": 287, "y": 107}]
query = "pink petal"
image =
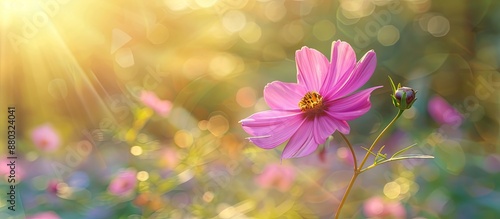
[
  {"x": 312, "y": 68},
  {"x": 271, "y": 128},
  {"x": 342, "y": 125},
  {"x": 323, "y": 128},
  {"x": 358, "y": 77},
  {"x": 351, "y": 107},
  {"x": 283, "y": 96},
  {"x": 302, "y": 142},
  {"x": 343, "y": 61}
]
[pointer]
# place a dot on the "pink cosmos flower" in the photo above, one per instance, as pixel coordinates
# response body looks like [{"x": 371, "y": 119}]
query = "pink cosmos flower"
[
  {"x": 443, "y": 113},
  {"x": 276, "y": 176},
  {"x": 44, "y": 215},
  {"x": 320, "y": 103},
  {"x": 124, "y": 183},
  {"x": 45, "y": 137},
  {"x": 377, "y": 207},
  {"x": 162, "y": 107}
]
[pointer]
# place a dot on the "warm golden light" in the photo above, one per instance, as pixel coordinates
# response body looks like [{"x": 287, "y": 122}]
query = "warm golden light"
[
  {"x": 136, "y": 150},
  {"x": 142, "y": 176}
]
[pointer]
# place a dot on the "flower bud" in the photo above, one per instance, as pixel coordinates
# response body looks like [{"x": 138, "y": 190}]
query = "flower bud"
[
  {"x": 410, "y": 94},
  {"x": 403, "y": 97}
]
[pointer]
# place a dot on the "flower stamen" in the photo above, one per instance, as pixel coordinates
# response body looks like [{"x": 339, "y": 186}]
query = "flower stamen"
[{"x": 312, "y": 101}]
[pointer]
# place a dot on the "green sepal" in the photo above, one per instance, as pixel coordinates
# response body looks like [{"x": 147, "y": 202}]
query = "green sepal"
[
  {"x": 402, "y": 104},
  {"x": 394, "y": 101},
  {"x": 392, "y": 85}
]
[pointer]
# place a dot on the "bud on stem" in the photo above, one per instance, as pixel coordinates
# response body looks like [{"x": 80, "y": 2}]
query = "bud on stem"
[{"x": 402, "y": 97}]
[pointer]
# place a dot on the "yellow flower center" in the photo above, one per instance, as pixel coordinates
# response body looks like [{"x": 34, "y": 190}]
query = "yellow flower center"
[{"x": 311, "y": 102}]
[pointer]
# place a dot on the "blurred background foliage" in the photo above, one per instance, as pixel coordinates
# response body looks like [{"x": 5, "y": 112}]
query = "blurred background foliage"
[{"x": 80, "y": 68}]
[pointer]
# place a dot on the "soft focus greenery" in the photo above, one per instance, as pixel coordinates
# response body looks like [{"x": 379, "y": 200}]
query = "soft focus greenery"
[{"x": 81, "y": 65}]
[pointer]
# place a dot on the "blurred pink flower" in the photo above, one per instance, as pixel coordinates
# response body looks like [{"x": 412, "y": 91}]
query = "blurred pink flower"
[
  {"x": 345, "y": 155},
  {"x": 443, "y": 113},
  {"x": 45, "y": 137},
  {"x": 6, "y": 170},
  {"x": 320, "y": 103},
  {"x": 124, "y": 183},
  {"x": 162, "y": 107},
  {"x": 52, "y": 187},
  {"x": 377, "y": 207},
  {"x": 277, "y": 176},
  {"x": 169, "y": 158},
  {"x": 44, "y": 215}
]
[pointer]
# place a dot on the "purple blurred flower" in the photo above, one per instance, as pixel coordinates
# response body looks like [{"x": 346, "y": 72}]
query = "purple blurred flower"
[
  {"x": 45, "y": 137},
  {"x": 377, "y": 207},
  {"x": 124, "y": 183},
  {"x": 443, "y": 113},
  {"x": 44, "y": 215},
  {"x": 320, "y": 103},
  {"x": 277, "y": 176},
  {"x": 162, "y": 107}
]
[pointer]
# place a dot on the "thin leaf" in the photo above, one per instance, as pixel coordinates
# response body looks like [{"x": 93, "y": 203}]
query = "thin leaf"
[
  {"x": 371, "y": 152},
  {"x": 379, "y": 154},
  {"x": 403, "y": 150},
  {"x": 394, "y": 100},
  {"x": 392, "y": 84},
  {"x": 408, "y": 156},
  {"x": 404, "y": 157}
]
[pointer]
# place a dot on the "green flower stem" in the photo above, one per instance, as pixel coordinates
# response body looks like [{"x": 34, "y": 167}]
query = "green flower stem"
[
  {"x": 349, "y": 187},
  {"x": 357, "y": 170},
  {"x": 378, "y": 139},
  {"x": 352, "y": 151}
]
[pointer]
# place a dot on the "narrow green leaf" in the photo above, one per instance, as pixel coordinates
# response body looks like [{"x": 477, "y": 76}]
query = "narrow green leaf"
[
  {"x": 403, "y": 150},
  {"x": 371, "y": 152},
  {"x": 392, "y": 84},
  {"x": 379, "y": 154},
  {"x": 408, "y": 156},
  {"x": 394, "y": 100}
]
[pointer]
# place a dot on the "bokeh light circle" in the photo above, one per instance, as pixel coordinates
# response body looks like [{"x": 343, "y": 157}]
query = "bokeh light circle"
[
  {"x": 438, "y": 26},
  {"x": 388, "y": 35},
  {"x": 234, "y": 21}
]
